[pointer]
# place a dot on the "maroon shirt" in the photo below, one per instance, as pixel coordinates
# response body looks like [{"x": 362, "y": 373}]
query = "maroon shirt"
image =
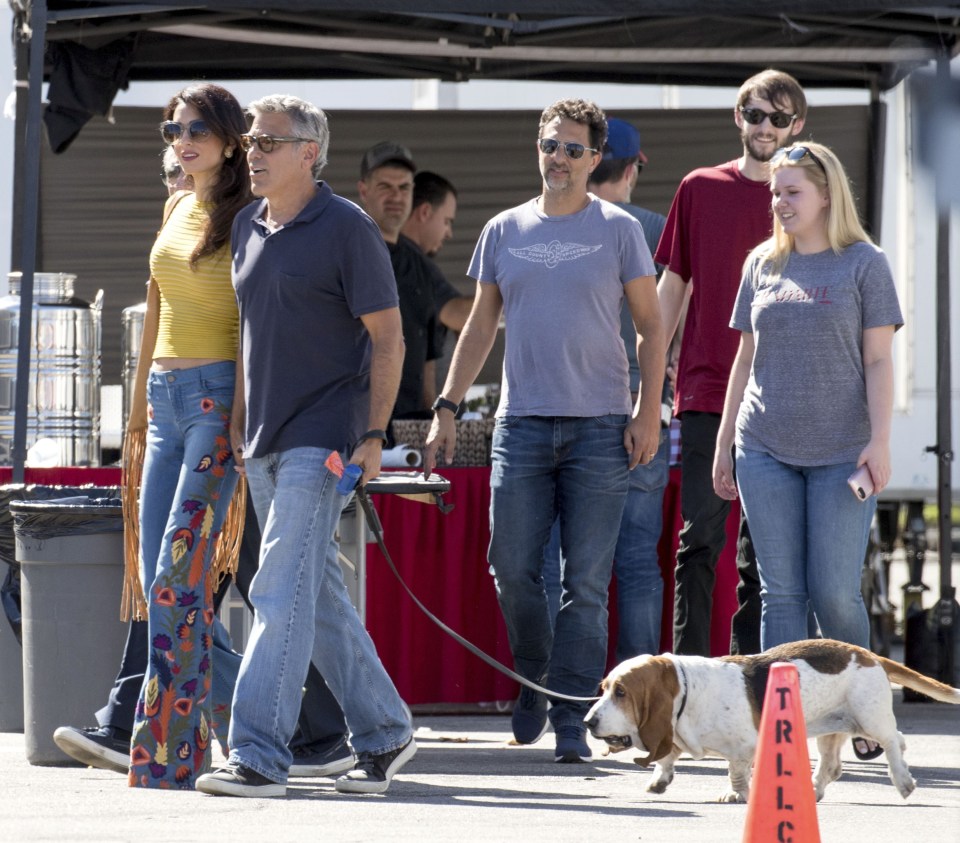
[{"x": 716, "y": 219}]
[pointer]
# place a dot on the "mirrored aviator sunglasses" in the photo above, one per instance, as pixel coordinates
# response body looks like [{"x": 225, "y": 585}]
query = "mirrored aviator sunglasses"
[
  {"x": 573, "y": 150},
  {"x": 172, "y": 131},
  {"x": 778, "y": 119}
]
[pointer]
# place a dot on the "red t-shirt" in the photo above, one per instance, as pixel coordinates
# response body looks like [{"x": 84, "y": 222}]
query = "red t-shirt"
[{"x": 716, "y": 218}]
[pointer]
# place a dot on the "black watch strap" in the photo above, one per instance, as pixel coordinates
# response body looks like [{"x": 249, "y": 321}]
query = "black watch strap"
[
  {"x": 374, "y": 434},
  {"x": 443, "y": 404}
]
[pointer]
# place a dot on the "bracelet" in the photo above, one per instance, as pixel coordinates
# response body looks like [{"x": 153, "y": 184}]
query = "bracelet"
[{"x": 374, "y": 434}]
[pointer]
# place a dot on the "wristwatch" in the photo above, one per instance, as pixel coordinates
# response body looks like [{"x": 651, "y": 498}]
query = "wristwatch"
[{"x": 443, "y": 404}]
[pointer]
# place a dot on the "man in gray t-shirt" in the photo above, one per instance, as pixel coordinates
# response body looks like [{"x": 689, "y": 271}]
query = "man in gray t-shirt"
[
  {"x": 636, "y": 561},
  {"x": 557, "y": 269}
]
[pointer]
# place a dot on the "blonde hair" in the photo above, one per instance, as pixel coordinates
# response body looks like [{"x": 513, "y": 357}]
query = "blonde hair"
[{"x": 824, "y": 170}]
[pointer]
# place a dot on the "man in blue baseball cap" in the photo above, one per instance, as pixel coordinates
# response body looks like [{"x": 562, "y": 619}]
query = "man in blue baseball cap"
[
  {"x": 636, "y": 563},
  {"x": 623, "y": 142},
  {"x": 616, "y": 176}
]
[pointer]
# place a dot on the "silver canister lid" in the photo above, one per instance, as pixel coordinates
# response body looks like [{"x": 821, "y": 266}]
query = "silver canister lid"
[{"x": 48, "y": 287}]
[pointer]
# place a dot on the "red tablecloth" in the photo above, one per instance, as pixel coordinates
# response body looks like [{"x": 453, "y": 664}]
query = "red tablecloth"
[
  {"x": 65, "y": 476},
  {"x": 443, "y": 560}
]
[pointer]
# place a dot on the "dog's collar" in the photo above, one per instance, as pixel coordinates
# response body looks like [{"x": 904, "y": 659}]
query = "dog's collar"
[{"x": 683, "y": 677}]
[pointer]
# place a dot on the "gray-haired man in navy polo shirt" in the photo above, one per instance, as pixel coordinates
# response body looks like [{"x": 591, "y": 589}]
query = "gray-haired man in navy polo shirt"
[{"x": 322, "y": 348}]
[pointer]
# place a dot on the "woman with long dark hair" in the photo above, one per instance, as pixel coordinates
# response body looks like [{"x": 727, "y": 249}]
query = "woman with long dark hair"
[{"x": 183, "y": 400}]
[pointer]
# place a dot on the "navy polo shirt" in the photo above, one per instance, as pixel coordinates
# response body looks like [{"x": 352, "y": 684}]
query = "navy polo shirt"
[{"x": 301, "y": 292}]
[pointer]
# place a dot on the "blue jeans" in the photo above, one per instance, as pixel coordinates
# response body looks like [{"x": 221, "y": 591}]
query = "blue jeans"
[
  {"x": 321, "y": 725},
  {"x": 302, "y": 611},
  {"x": 574, "y": 468},
  {"x": 810, "y": 533},
  {"x": 636, "y": 563},
  {"x": 188, "y": 481}
]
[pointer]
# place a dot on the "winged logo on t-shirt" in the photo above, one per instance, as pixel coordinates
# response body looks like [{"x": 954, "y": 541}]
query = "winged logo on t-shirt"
[{"x": 552, "y": 253}]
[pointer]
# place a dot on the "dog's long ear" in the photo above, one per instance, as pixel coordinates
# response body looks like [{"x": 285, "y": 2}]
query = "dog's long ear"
[{"x": 653, "y": 687}]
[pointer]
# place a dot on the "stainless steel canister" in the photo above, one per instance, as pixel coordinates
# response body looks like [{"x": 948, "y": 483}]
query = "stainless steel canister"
[
  {"x": 63, "y": 404},
  {"x": 131, "y": 321}
]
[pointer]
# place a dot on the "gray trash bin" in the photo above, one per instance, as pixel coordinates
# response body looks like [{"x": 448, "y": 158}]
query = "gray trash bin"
[
  {"x": 70, "y": 552},
  {"x": 11, "y": 653}
]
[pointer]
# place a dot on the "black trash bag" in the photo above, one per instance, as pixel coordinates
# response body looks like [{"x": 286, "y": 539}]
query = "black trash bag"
[
  {"x": 80, "y": 515},
  {"x": 10, "y": 590}
]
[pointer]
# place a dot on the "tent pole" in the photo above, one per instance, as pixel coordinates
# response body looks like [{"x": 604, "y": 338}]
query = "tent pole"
[
  {"x": 22, "y": 60},
  {"x": 945, "y": 607},
  {"x": 877, "y": 150},
  {"x": 30, "y": 218}
]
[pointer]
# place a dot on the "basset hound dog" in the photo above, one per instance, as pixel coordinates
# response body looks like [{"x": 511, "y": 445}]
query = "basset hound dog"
[{"x": 666, "y": 705}]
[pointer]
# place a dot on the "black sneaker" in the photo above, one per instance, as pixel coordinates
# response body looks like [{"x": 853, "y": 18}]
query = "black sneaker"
[
  {"x": 572, "y": 747},
  {"x": 238, "y": 780},
  {"x": 307, "y": 762},
  {"x": 529, "y": 719},
  {"x": 374, "y": 772},
  {"x": 104, "y": 747}
]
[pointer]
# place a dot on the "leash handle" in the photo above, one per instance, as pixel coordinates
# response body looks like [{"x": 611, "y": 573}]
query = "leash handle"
[{"x": 373, "y": 520}]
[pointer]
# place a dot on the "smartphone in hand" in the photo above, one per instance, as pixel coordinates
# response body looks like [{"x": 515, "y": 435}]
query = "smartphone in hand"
[{"x": 861, "y": 482}]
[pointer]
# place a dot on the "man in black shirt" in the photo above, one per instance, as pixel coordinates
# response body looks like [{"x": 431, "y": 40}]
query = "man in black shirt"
[{"x": 386, "y": 193}]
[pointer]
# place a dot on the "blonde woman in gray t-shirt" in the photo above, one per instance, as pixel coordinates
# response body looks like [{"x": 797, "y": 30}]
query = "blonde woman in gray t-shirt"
[{"x": 810, "y": 398}]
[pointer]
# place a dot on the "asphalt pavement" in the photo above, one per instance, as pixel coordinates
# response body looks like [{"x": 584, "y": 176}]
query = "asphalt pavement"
[{"x": 469, "y": 783}]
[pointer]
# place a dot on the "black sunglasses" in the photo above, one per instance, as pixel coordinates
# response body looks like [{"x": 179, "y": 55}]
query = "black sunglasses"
[
  {"x": 573, "y": 150},
  {"x": 267, "y": 143},
  {"x": 173, "y": 131},
  {"x": 778, "y": 119},
  {"x": 795, "y": 153}
]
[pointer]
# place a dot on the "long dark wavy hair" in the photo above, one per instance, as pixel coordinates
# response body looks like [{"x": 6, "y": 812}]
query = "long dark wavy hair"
[{"x": 231, "y": 190}]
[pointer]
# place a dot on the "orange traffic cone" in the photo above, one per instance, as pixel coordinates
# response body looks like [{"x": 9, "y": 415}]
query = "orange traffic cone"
[{"x": 782, "y": 806}]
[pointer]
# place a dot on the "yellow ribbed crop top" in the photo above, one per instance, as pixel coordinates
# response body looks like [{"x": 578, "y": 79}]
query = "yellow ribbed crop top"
[{"x": 198, "y": 308}]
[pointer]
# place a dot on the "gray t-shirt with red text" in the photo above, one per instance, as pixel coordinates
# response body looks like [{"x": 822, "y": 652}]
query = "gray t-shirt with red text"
[{"x": 806, "y": 399}]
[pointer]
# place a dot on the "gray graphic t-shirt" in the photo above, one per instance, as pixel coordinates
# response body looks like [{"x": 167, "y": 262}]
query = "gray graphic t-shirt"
[
  {"x": 806, "y": 400},
  {"x": 561, "y": 278}
]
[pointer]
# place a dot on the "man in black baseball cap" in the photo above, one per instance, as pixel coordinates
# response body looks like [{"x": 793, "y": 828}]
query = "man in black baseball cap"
[
  {"x": 386, "y": 152},
  {"x": 386, "y": 194}
]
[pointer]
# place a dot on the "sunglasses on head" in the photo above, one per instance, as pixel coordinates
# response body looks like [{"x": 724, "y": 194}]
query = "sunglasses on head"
[
  {"x": 795, "y": 153},
  {"x": 778, "y": 119},
  {"x": 573, "y": 150},
  {"x": 266, "y": 143},
  {"x": 173, "y": 131}
]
